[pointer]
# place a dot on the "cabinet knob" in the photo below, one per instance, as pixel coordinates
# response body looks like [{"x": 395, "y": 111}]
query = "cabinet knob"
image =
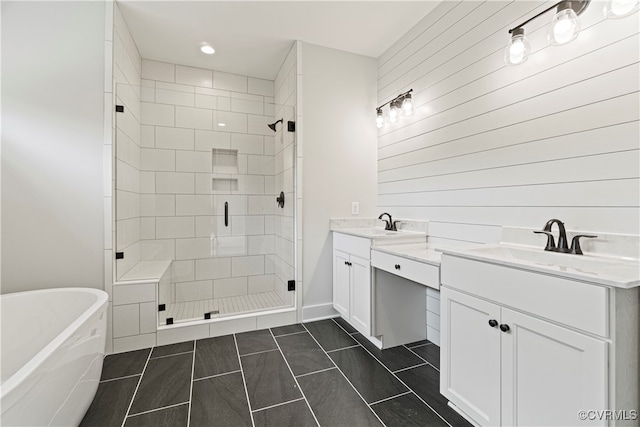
[
  {"x": 504, "y": 328},
  {"x": 397, "y": 266},
  {"x": 493, "y": 323}
]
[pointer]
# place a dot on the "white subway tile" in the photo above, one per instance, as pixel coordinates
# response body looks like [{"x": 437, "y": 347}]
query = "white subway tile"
[
  {"x": 182, "y": 333},
  {"x": 208, "y": 225},
  {"x": 147, "y": 136},
  {"x": 260, "y": 205},
  {"x": 224, "y": 103},
  {"x": 151, "y": 250},
  {"x": 260, "y": 165},
  {"x": 194, "y": 291},
  {"x": 235, "y": 326},
  {"x": 175, "y": 227},
  {"x": 269, "y": 145},
  {"x": 148, "y": 317},
  {"x": 194, "y": 76},
  {"x": 208, "y": 140},
  {"x": 247, "y": 144},
  {"x": 213, "y": 92},
  {"x": 183, "y": 271},
  {"x": 251, "y": 184},
  {"x": 157, "y": 205},
  {"x": 269, "y": 185},
  {"x": 175, "y": 138},
  {"x": 147, "y": 182},
  {"x": 129, "y": 294},
  {"x": 194, "y": 205},
  {"x": 175, "y": 97},
  {"x": 192, "y": 248},
  {"x": 147, "y": 90},
  {"x": 264, "y": 283},
  {"x": 153, "y": 159},
  {"x": 232, "y": 82},
  {"x": 260, "y": 86},
  {"x": 155, "y": 70},
  {"x": 157, "y": 114},
  {"x": 269, "y": 264},
  {"x": 193, "y": 161},
  {"x": 148, "y": 228},
  {"x": 247, "y": 266},
  {"x": 136, "y": 342},
  {"x": 194, "y": 118},
  {"x": 232, "y": 287},
  {"x": 206, "y": 101},
  {"x": 213, "y": 268},
  {"x": 244, "y": 103},
  {"x": 257, "y": 124},
  {"x": 261, "y": 245},
  {"x": 233, "y": 122},
  {"x": 175, "y": 182},
  {"x": 203, "y": 182}
]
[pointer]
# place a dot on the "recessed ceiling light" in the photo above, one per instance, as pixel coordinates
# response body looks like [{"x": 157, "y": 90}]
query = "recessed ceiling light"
[{"x": 207, "y": 49}]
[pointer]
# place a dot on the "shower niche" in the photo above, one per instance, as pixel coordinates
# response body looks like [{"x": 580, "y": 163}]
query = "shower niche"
[{"x": 197, "y": 175}]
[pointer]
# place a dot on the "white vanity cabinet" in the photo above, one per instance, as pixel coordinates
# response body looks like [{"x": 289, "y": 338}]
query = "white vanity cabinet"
[
  {"x": 520, "y": 348},
  {"x": 352, "y": 280}
]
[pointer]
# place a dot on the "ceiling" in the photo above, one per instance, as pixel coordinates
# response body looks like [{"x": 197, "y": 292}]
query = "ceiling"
[{"x": 253, "y": 37}]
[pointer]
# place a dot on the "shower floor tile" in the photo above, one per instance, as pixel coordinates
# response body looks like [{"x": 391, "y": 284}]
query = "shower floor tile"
[
  {"x": 311, "y": 374},
  {"x": 193, "y": 310}
]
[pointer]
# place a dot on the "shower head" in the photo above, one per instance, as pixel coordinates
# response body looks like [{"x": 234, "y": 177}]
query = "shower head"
[{"x": 272, "y": 126}]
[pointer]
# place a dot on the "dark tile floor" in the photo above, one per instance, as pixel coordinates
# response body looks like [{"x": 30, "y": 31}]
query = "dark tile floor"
[{"x": 319, "y": 373}]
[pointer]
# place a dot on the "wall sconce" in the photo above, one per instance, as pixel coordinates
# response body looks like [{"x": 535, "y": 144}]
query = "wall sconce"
[
  {"x": 565, "y": 25},
  {"x": 400, "y": 105}
]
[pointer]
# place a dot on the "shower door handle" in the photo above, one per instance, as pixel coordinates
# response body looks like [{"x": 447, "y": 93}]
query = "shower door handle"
[{"x": 226, "y": 214}]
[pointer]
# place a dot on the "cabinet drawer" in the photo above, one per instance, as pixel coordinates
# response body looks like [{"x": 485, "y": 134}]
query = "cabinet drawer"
[
  {"x": 358, "y": 246},
  {"x": 425, "y": 274},
  {"x": 580, "y": 305}
]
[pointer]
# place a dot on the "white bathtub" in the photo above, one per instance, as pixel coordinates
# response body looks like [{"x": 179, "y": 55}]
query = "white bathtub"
[{"x": 53, "y": 344}]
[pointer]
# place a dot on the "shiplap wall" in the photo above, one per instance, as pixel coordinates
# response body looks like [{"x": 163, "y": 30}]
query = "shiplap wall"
[{"x": 493, "y": 145}]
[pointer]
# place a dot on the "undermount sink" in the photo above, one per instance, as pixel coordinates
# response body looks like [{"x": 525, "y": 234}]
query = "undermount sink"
[
  {"x": 379, "y": 232},
  {"x": 616, "y": 271}
]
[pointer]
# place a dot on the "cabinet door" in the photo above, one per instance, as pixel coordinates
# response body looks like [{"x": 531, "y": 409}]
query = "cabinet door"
[
  {"x": 470, "y": 355},
  {"x": 341, "y": 272},
  {"x": 360, "y": 295},
  {"x": 550, "y": 373}
]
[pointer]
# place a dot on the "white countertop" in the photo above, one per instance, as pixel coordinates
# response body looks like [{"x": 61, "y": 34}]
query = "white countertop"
[
  {"x": 416, "y": 251},
  {"x": 380, "y": 236},
  {"x": 604, "y": 270}
]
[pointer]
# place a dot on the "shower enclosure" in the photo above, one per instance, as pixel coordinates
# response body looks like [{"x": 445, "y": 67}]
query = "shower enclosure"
[{"x": 205, "y": 178}]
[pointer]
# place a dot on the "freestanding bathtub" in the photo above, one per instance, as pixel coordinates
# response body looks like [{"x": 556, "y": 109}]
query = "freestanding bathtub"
[{"x": 53, "y": 344}]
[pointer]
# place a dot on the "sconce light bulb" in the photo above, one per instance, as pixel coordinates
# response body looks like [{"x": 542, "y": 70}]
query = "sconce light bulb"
[
  {"x": 564, "y": 26},
  {"x": 407, "y": 105},
  {"x": 518, "y": 48},
  {"x": 621, "y": 8},
  {"x": 379, "y": 118}
]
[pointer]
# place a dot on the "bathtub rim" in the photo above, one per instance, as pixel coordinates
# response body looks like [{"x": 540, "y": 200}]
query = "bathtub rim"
[{"x": 102, "y": 299}]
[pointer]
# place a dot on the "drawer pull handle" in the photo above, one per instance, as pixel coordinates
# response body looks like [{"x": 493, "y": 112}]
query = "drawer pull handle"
[
  {"x": 493, "y": 323},
  {"x": 504, "y": 328},
  {"x": 397, "y": 266}
]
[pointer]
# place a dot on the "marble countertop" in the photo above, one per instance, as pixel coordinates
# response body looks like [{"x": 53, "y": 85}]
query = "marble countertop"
[
  {"x": 420, "y": 252},
  {"x": 605, "y": 270},
  {"x": 380, "y": 236}
]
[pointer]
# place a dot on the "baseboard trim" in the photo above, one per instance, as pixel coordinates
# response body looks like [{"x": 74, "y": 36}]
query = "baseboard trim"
[{"x": 318, "y": 312}]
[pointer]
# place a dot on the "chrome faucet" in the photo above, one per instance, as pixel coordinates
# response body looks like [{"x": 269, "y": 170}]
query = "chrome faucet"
[
  {"x": 562, "y": 239},
  {"x": 389, "y": 225}
]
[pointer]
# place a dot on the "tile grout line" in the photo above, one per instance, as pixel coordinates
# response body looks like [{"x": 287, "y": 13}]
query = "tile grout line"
[
  {"x": 216, "y": 375},
  {"x": 137, "y": 387},
  {"x": 118, "y": 378},
  {"x": 343, "y": 348},
  {"x": 344, "y": 376},
  {"x": 257, "y": 352},
  {"x": 193, "y": 368},
  {"x": 157, "y": 409},
  {"x": 390, "y": 398},
  {"x": 170, "y": 355},
  {"x": 304, "y": 396},
  {"x": 244, "y": 380},
  {"x": 278, "y": 404},
  {"x": 286, "y": 335},
  {"x": 316, "y": 372},
  {"x": 410, "y": 367}
]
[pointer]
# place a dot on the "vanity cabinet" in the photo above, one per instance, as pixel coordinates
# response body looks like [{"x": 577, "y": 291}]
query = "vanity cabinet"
[
  {"x": 520, "y": 348},
  {"x": 352, "y": 280}
]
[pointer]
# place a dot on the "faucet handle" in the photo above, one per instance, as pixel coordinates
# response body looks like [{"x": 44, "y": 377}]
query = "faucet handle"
[
  {"x": 551, "y": 243},
  {"x": 575, "y": 243},
  {"x": 394, "y": 226}
]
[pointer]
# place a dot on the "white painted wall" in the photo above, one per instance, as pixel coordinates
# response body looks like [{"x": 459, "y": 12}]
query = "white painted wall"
[
  {"x": 339, "y": 152},
  {"x": 53, "y": 85}
]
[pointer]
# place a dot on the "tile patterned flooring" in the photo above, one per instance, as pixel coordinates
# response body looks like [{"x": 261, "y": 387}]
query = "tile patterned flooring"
[{"x": 320, "y": 373}]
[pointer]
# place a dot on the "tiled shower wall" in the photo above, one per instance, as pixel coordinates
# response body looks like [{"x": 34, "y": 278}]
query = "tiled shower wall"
[{"x": 189, "y": 164}]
